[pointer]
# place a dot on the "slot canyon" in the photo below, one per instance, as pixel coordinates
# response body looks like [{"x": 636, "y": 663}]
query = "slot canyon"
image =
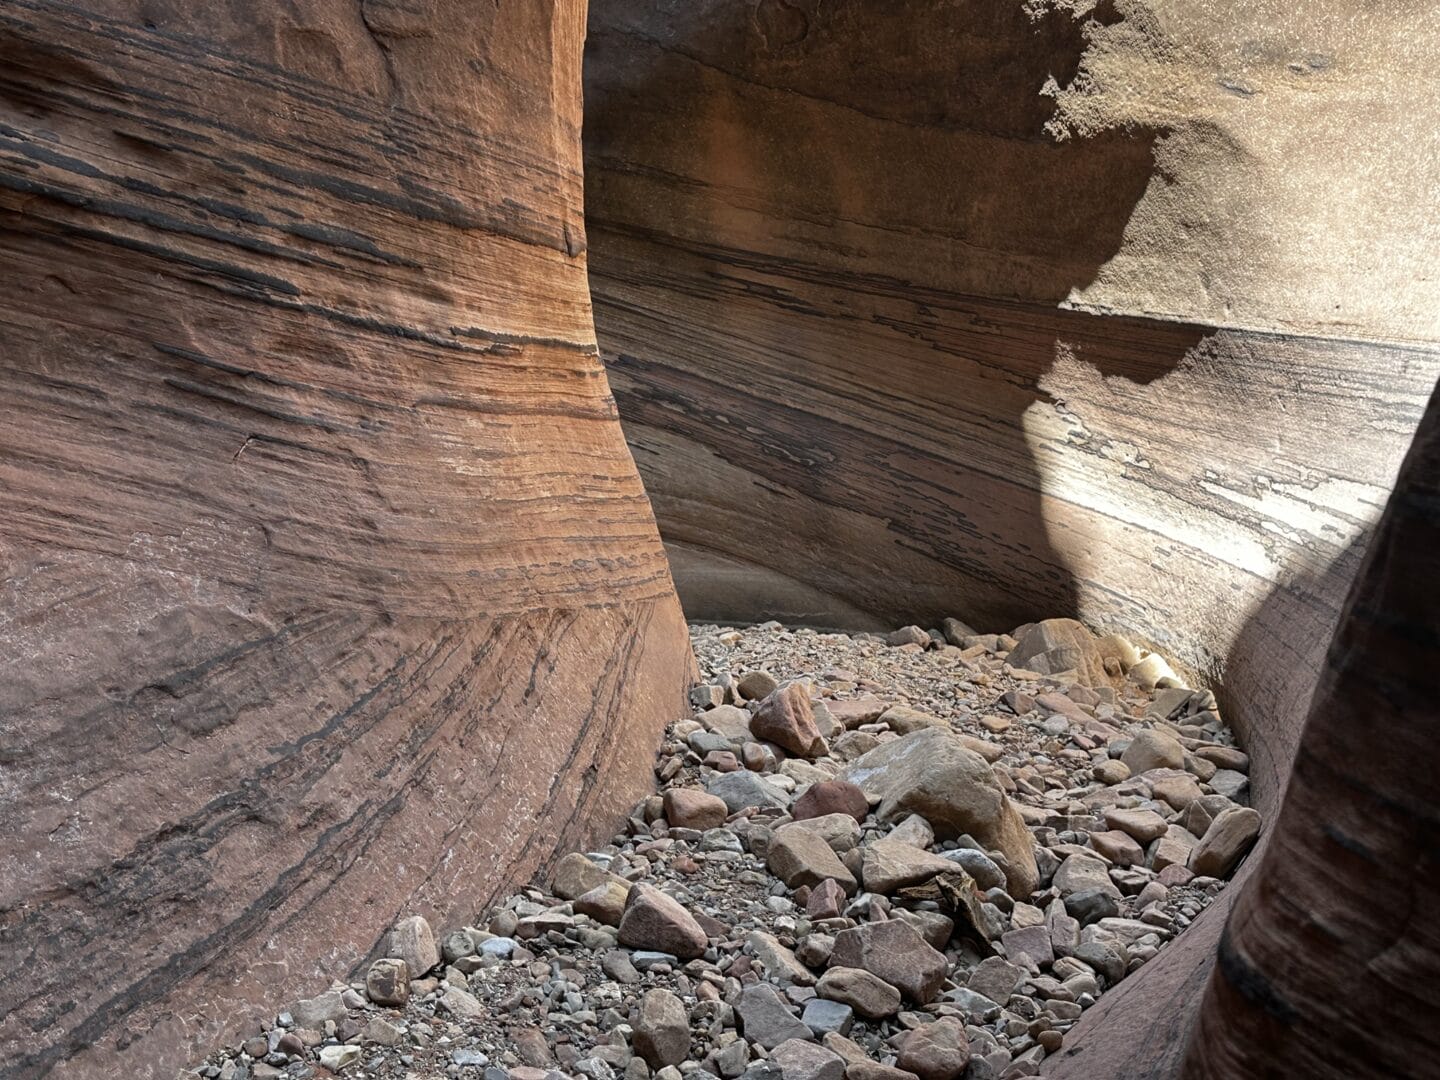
[{"x": 429, "y": 427}]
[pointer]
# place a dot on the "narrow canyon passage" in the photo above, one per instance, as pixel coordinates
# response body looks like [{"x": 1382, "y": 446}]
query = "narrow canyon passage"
[{"x": 384, "y": 384}]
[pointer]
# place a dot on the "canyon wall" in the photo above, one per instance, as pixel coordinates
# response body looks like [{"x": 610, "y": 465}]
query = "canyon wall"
[
  {"x": 330, "y": 591},
  {"x": 1006, "y": 310}
]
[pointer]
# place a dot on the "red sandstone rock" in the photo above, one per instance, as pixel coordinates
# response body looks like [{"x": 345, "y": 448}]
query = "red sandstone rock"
[{"x": 323, "y": 552}]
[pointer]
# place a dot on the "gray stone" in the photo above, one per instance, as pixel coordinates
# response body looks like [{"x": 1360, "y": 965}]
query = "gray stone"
[
  {"x": 1081, "y": 871},
  {"x": 743, "y": 789},
  {"x": 312, "y": 1013},
  {"x": 979, "y": 866},
  {"x": 996, "y": 978},
  {"x": 412, "y": 941},
  {"x": 336, "y": 1058},
  {"x": 800, "y": 1060},
  {"x": 821, "y": 1015},
  {"x": 1030, "y": 945},
  {"x": 1092, "y": 905},
  {"x": 1234, "y": 785},
  {"x": 461, "y": 1003},
  {"x": 779, "y": 962},
  {"x": 457, "y": 945},
  {"x": 765, "y": 1019}
]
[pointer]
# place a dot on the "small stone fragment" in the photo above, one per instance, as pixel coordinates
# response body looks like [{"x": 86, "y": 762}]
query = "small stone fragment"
[{"x": 336, "y": 1058}]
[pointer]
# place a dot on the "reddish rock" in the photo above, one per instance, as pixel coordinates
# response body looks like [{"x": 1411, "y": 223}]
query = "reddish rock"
[
  {"x": 785, "y": 719},
  {"x": 938, "y": 1051},
  {"x": 852, "y": 712},
  {"x": 831, "y": 797},
  {"x": 893, "y": 951},
  {"x": 691, "y": 808},
  {"x": 826, "y": 900},
  {"x": 319, "y": 531}
]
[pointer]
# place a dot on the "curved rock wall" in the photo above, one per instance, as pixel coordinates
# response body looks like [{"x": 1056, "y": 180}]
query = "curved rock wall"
[
  {"x": 330, "y": 591},
  {"x": 1333, "y": 948},
  {"x": 1009, "y": 310}
]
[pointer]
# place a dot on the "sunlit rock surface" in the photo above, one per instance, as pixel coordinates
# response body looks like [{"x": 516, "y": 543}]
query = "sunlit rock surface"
[{"x": 1000, "y": 311}]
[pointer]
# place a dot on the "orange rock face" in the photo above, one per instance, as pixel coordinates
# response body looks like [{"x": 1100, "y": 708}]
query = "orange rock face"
[{"x": 330, "y": 591}]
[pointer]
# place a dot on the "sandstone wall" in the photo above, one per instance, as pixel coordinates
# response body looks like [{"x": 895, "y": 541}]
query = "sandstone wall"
[
  {"x": 1008, "y": 310},
  {"x": 330, "y": 591}
]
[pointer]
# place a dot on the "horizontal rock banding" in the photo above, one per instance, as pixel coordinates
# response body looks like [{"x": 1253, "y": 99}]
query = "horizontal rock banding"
[{"x": 317, "y": 526}]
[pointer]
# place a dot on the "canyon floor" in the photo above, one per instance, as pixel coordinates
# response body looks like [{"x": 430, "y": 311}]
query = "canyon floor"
[{"x": 870, "y": 857}]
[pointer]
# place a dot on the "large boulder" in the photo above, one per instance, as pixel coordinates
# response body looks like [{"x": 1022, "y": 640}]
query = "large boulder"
[
  {"x": 933, "y": 774},
  {"x": 1057, "y": 645}
]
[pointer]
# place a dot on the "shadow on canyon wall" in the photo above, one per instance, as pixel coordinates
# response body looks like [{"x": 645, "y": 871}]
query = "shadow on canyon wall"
[{"x": 828, "y": 250}]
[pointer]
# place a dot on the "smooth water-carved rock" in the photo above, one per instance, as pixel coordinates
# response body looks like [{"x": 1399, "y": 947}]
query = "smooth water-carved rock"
[
  {"x": 895, "y": 318},
  {"x": 329, "y": 590}
]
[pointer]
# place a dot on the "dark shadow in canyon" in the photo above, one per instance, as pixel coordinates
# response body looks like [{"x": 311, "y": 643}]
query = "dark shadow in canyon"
[{"x": 828, "y": 254}]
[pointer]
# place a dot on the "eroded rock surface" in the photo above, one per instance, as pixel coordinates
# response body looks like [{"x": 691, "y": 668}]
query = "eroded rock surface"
[{"x": 324, "y": 562}]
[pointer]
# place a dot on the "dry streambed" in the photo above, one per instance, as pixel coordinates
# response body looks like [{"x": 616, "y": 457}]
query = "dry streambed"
[{"x": 923, "y": 855}]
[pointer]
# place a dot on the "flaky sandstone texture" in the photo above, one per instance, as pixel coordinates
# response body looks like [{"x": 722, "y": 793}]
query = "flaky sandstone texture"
[
  {"x": 1336, "y": 937},
  {"x": 330, "y": 592},
  {"x": 1004, "y": 310}
]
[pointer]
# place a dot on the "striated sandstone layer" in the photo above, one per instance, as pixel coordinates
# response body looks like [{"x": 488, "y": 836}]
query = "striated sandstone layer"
[
  {"x": 1334, "y": 946},
  {"x": 1004, "y": 310},
  {"x": 330, "y": 592}
]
